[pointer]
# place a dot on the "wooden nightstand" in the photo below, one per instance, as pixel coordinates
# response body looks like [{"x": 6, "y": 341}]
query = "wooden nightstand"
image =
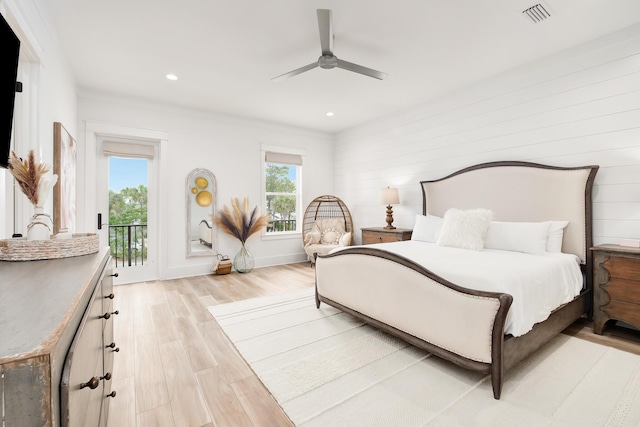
[
  {"x": 616, "y": 281},
  {"x": 384, "y": 235}
]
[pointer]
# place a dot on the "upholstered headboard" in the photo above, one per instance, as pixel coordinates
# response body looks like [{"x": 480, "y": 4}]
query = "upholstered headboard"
[{"x": 521, "y": 191}]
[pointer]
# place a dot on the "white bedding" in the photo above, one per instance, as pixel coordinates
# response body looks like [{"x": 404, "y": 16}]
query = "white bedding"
[{"x": 538, "y": 283}]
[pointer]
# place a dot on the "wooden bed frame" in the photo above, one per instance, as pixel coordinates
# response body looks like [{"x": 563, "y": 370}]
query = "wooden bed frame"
[{"x": 410, "y": 302}]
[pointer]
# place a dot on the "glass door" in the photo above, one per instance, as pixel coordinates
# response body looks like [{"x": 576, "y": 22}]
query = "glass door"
[{"x": 127, "y": 186}]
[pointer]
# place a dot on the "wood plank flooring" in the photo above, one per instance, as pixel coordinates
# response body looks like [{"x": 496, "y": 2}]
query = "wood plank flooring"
[{"x": 176, "y": 367}]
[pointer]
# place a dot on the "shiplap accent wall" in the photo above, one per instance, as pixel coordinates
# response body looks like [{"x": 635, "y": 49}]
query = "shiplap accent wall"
[{"x": 579, "y": 107}]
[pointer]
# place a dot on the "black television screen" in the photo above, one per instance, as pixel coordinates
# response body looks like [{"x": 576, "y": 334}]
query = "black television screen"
[{"x": 9, "y": 51}]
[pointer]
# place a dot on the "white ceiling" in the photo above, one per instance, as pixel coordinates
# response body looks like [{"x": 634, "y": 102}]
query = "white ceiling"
[{"x": 225, "y": 52}]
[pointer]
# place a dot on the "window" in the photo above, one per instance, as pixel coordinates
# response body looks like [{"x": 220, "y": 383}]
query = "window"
[{"x": 283, "y": 190}]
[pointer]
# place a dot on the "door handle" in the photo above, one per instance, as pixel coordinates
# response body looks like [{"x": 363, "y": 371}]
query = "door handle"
[{"x": 100, "y": 223}]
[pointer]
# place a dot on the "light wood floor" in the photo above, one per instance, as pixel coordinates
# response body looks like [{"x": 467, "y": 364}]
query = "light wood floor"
[{"x": 176, "y": 367}]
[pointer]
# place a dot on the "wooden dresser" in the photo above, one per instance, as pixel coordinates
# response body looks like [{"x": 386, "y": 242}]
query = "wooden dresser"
[
  {"x": 56, "y": 335},
  {"x": 616, "y": 285},
  {"x": 384, "y": 235}
]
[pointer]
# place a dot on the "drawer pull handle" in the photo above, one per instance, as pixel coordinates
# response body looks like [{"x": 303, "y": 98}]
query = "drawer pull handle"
[
  {"x": 110, "y": 296},
  {"x": 107, "y": 376},
  {"x": 114, "y": 275},
  {"x": 92, "y": 383},
  {"x": 112, "y": 345},
  {"x": 117, "y": 349},
  {"x": 112, "y": 394},
  {"x": 108, "y": 315}
]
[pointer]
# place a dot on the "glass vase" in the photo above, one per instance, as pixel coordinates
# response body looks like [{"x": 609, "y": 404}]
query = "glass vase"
[{"x": 243, "y": 261}]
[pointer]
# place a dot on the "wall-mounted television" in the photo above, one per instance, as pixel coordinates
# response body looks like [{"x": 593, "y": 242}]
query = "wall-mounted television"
[{"x": 9, "y": 52}]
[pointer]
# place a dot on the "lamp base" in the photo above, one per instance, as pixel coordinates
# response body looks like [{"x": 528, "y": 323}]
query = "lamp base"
[{"x": 389, "y": 218}]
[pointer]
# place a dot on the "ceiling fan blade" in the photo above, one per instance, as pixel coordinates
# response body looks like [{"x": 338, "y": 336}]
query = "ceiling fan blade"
[
  {"x": 362, "y": 70},
  {"x": 325, "y": 25},
  {"x": 295, "y": 72}
]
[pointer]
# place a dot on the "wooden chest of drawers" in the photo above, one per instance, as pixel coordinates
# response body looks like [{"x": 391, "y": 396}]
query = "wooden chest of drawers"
[
  {"x": 616, "y": 285},
  {"x": 55, "y": 337},
  {"x": 384, "y": 235}
]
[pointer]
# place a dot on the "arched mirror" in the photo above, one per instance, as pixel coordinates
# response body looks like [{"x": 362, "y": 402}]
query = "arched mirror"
[{"x": 201, "y": 199}]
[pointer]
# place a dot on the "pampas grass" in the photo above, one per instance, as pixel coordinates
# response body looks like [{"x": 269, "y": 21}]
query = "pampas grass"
[
  {"x": 240, "y": 223},
  {"x": 30, "y": 177}
]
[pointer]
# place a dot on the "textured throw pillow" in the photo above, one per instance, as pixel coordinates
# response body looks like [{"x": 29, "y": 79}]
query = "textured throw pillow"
[
  {"x": 527, "y": 237},
  {"x": 426, "y": 228},
  {"x": 556, "y": 233},
  {"x": 345, "y": 240},
  {"x": 465, "y": 229},
  {"x": 330, "y": 236}
]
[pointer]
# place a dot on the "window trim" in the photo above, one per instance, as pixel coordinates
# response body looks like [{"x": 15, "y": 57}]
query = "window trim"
[{"x": 264, "y": 148}]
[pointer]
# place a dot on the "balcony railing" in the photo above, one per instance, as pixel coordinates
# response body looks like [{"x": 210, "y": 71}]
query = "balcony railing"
[
  {"x": 128, "y": 244},
  {"x": 281, "y": 225}
]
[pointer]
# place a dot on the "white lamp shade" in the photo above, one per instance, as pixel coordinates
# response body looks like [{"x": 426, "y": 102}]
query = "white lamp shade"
[{"x": 389, "y": 196}]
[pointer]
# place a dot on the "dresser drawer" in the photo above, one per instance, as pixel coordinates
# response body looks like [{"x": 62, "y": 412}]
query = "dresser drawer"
[{"x": 81, "y": 386}]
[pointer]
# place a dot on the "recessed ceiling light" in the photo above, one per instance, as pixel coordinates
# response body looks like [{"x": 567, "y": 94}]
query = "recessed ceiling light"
[
  {"x": 330, "y": 113},
  {"x": 172, "y": 77}
]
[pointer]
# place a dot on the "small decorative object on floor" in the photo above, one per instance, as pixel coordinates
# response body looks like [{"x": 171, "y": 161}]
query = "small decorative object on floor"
[
  {"x": 221, "y": 265},
  {"x": 32, "y": 180},
  {"x": 241, "y": 224}
]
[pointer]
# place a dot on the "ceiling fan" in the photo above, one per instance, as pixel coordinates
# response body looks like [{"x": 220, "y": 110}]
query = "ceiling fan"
[{"x": 328, "y": 60}]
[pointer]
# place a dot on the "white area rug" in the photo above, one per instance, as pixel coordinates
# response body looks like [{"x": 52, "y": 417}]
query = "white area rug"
[{"x": 327, "y": 368}]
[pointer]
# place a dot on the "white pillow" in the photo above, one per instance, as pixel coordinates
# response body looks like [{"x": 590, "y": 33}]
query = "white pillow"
[
  {"x": 465, "y": 229},
  {"x": 556, "y": 233},
  {"x": 527, "y": 237},
  {"x": 426, "y": 228},
  {"x": 345, "y": 240}
]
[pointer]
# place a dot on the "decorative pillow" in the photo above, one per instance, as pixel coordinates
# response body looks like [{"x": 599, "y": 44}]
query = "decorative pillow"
[
  {"x": 312, "y": 238},
  {"x": 330, "y": 236},
  {"x": 426, "y": 228},
  {"x": 345, "y": 240},
  {"x": 465, "y": 229},
  {"x": 527, "y": 237},
  {"x": 556, "y": 233}
]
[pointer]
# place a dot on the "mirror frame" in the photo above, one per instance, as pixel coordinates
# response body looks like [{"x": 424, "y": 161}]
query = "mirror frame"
[{"x": 190, "y": 200}]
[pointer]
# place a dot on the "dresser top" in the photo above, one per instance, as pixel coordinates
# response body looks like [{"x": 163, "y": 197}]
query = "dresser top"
[{"x": 37, "y": 299}]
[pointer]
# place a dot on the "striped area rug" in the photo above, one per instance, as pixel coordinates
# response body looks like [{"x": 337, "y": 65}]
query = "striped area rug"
[{"x": 326, "y": 368}]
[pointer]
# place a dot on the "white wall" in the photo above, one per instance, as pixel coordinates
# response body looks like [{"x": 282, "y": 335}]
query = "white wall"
[
  {"x": 579, "y": 107},
  {"x": 48, "y": 96},
  {"x": 230, "y": 148}
]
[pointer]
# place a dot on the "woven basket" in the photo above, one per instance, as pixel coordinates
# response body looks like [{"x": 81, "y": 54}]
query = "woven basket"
[
  {"x": 222, "y": 265},
  {"x": 21, "y": 249}
]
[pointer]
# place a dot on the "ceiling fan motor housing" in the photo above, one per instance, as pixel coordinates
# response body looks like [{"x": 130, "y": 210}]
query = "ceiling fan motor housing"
[{"x": 328, "y": 62}]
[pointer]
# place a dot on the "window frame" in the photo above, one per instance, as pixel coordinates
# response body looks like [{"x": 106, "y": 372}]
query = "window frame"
[{"x": 299, "y": 184}]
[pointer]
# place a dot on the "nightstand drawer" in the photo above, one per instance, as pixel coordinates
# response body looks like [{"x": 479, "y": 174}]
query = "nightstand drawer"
[
  {"x": 372, "y": 237},
  {"x": 628, "y": 312},
  {"x": 624, "y": 290},
  {"x": 624, "y": 268},
  {"x": 384, "y": 235}
]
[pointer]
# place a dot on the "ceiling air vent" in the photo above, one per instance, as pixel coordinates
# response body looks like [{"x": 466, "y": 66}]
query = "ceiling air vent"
[{"x": 537, "y": 13}]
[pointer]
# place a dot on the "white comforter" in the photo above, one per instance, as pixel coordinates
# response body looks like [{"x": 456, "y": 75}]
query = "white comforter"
[{"x": 538, "y": 283}]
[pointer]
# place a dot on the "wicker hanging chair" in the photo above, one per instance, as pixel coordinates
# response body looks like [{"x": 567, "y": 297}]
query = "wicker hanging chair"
[{"x": 325, "y": 207}]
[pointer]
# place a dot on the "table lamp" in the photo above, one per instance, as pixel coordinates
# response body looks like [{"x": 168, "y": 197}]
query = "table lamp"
[{"x": 389, "y": 196}]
